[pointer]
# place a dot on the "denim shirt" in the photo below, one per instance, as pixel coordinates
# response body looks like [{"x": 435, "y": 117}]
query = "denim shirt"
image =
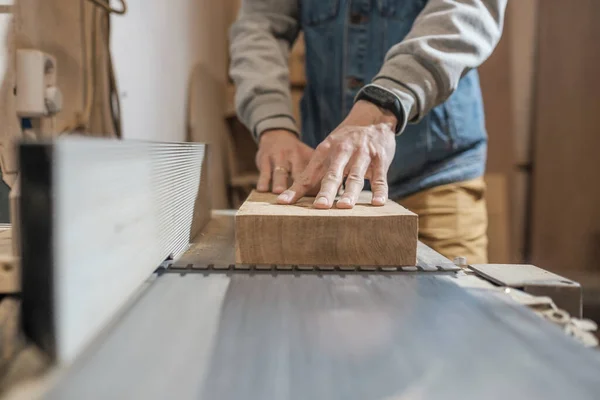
[
  {"x": 424, "y": 51},
  {"x": 346, "y": 42}
]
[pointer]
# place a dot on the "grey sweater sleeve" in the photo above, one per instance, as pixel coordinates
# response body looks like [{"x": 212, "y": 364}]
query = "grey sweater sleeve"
[
  {"x": 261, "y": 39},
  {"x": 448, "y": 39}
]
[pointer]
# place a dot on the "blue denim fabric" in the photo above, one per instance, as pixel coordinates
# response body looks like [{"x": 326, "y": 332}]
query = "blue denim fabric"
[{"x": 346, "y": 42}]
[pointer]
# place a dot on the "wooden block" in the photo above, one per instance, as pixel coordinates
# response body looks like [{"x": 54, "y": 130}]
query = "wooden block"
[{"x": 268, "y": 233}]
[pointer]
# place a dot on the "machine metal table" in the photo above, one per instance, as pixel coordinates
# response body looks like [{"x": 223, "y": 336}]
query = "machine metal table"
[{"x": 295, "y": 335}]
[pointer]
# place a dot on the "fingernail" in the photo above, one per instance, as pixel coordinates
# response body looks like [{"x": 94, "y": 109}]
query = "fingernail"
[
  {"x": 285, "y": 196},
  {"x": 380, "y": 200},
  {"x": 278, "y": 189},
  {"x": 321, "y": 201},
  {"x": 344, "y": 201}
]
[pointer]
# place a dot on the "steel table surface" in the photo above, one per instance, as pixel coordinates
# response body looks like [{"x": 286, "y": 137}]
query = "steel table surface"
[{"x": 332, "y": 336}]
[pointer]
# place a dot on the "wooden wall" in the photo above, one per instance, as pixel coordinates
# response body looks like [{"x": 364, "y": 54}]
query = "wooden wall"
[
  {"x": 162, "y": 53},
  {"x": 496, "y": 77},
  {"x": 507, "y": 80},
  {"x": 565, "y": 233},
  {"x": 522, "y": 21},
  {"x": 62, "y": 28}
]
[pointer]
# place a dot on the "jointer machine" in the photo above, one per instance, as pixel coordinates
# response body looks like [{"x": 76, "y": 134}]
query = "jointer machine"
[{"x": 130, "y": 287}]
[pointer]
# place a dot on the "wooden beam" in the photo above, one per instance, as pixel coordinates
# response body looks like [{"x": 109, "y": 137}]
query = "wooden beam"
[{"x": 268, "y": 233}]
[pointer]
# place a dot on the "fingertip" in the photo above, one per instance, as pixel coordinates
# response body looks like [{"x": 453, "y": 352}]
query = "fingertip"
[
  {"x": 285, "y": 197},
  {"x": 321, "y": 202},
  {"x": 378, "y": 201},
  {"x": 344, "y": 203},
  {"x": 278, "y": 189}
]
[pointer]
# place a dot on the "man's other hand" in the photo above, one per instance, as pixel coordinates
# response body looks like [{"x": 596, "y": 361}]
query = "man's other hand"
[
  {"x": 363, "y": 146},
  {"x": 281, "y": 155}
]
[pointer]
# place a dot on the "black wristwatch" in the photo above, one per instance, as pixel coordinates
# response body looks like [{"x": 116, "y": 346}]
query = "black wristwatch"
[{"x": 385, "y": 99}]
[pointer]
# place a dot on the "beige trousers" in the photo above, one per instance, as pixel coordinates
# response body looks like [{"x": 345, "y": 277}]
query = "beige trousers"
[{"x": 453, "y": 219}]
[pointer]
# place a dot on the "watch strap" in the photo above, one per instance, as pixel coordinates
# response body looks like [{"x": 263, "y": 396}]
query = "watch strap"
[{"x": 396, "y": 107}]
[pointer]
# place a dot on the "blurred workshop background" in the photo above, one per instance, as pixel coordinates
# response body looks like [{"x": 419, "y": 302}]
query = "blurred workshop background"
[{"x": 159, "y": 72}]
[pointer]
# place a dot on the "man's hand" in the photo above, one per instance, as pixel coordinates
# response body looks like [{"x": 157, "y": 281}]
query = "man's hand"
[
  {"x": 280, "y": 153},
  {"x": 363, "y": 146}
]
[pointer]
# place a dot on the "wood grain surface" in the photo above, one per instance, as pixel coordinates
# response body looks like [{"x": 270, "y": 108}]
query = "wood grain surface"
[
  {"x": 268, "y": 233},
  {"x": 215, "y": 243},
  {"x": 565, "y": 233}
]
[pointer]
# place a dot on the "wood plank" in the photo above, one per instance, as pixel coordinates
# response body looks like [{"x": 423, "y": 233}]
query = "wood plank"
[
  {"x": 565, "y": 236},
  {"x": 496, "y": 76},
  {"x": 268, "y": 233},
  {"x": 215, "y": 244},
  {"x": 206, "y": 103},
  {"x": 498, "y": 218},
  {"x": 6, "y": 243},
  {"x": 9, "y": 330}
]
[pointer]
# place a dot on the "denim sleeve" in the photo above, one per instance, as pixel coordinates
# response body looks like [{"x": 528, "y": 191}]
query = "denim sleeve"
[
  {"x": 260, "y": 42},
  {"x": 447, "y": 40}
]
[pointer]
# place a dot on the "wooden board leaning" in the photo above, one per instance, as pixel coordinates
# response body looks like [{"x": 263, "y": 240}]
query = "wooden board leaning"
[{"x": 268, "y": 233}]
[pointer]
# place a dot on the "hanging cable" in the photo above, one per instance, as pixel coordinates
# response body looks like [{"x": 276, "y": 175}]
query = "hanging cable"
[
  {"x": 114, "y": 98},
  {"x": 108, "y": 8},
  {"x": 89, "y": 70},
  {"x": 82, "y": 119}
]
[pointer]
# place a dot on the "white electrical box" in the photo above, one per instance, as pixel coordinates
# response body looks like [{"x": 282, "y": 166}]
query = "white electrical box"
[{"x": 37, "y": 94}]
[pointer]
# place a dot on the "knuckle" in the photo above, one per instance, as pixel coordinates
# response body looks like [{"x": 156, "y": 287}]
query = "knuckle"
[
  {"x": 363, "y": 151},
  {"x": 354, "y": 178},
  {"x": 304, "y": 181},
  {"x": 324, "y": 146},
  {"x": 374, "y": 152},
  {"x": 290, "y": 151},
  {"x": 345, "y": 147},
  {"x": 380, "y": 183},
  {"x": 280, "y": 155},
  {"x": 259, "y": 159},
  {"x": 331, "y": 176}
]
